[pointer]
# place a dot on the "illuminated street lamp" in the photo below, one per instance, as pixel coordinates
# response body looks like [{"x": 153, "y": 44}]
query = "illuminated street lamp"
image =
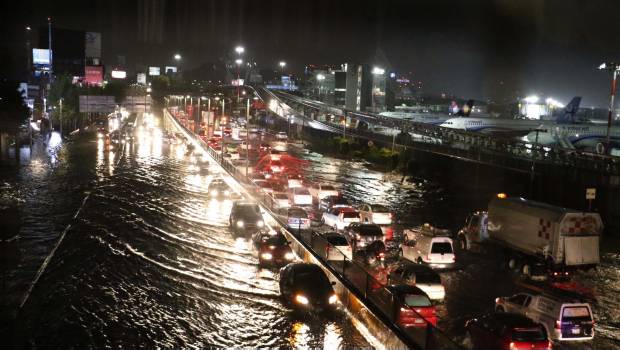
[
  {"x": 614, "y": 68},
  {"x": 531, "y": 99},
  {"x": 378, "y": 71},
  {"x": 320, "y": 78},
  {"x": 282, "y": 64},
  {"x": 239, "y": 50},
  {"x": 177, "y": 57}
]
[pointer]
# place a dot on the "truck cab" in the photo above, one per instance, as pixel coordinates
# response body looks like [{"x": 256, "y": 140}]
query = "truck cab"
[{"x": 475, "y": 230}]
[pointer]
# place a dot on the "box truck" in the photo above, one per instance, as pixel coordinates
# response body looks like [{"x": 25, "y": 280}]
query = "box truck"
[{"x": 534, "y": 233}]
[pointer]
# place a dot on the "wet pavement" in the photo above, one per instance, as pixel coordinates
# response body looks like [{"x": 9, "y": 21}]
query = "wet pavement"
[{"x": 147, "y": 261}]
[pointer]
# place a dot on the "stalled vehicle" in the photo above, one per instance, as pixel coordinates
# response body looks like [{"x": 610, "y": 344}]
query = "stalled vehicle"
[
  {"x": 360, "y": 235},
  {"x": 564, "y": 319},
  {"x": 531, "y": 233},
  {"x": 330, "y": 202},
  {"x": 420, "y": 276},
  {"x": 339, "y": 218},
  {"x": 297, "y": 218},
  {"x": 305, "y": 287},
  {"x": 299, "y": 196},
  {"x": 506, "y": 331},
  {"x": 375, "y": 214},
  {"x": 428, "y": 245},
  {"x": 337, "y": 247},
  {"x": 320, "y": 191},
  {"x": 218, "y": 189},
  {"x": 410, "y": 305}
]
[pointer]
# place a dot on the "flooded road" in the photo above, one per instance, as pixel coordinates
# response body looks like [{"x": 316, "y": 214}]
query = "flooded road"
[
  {"x": 472, "y": 287},
  {"x": 148, "y": 260}
]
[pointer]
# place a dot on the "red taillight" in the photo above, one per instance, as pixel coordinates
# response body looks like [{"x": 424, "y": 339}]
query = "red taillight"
[
  {"x": 558, "y": 324},
  {"x": 549, "y": 346}
]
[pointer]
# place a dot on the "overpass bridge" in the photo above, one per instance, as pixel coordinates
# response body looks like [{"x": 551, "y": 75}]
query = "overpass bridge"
[{"x": 510, "y": 154}]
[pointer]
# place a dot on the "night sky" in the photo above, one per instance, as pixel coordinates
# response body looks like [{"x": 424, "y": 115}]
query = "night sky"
[{"x": 480, "y": 49}]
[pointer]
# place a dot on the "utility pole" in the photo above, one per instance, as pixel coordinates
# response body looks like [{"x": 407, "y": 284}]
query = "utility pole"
[
  {"x": 614, "y": 68},
  {"x": 60, "y": 116}
]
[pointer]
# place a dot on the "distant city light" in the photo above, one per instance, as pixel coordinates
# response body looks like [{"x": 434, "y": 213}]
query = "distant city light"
[
  {"x": 177, "y": 57},
  {"x": 238, "y": 61},
  {"x": 282, "y": 64},
  {"x": 378, "y": 71},
  {"x": 320, "y": 77},
  {"x": 392, "y": 75},
  {"x": 239, "y": 49},
  {"x": 531, "y": 99},
  {"x": 552, "y": 102}
]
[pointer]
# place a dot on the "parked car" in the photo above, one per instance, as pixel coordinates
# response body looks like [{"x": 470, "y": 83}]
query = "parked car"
[
  {"x": 339, "y": 218},
  {"x": 281, "y": 136},
  {"x": 420, "y": 276},
  {"x": 337, "y": 246},
  {"x": 506, "y": 331},
  {"x": 300, "y": 196},
  {"x": 410, "y": 305},
  {"x": 563, "y": 320},
  {"x": 360, "y": 235},
  {"x": 280, "y": 200},
  {"x": 273, "y": 249},
  {"x": 330, "y": 202},
  {"x": 320, "y": 191},
  {"x": 423, "y": 246},
  {"x": 375, "y": 214},
  {"x": 297, "y": 219},
  {"x": 305, "y": 286},
  {"x": 245, "y": 217}
]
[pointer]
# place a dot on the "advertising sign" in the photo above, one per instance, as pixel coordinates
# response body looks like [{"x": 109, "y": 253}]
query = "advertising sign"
[
  {"x": 141, "y": 78},
  {"x": 119, "y": 74},
  {"x": 93, "y": 75},
  {"x": 171, "y": 69},
  {"x": 154, "y": 70},
  {"x": 41, "y": 56},
  {"x": 92, "y": 44}
]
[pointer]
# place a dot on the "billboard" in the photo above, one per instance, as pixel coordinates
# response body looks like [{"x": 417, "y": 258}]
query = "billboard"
[
  {"x": 154, "y": 70},
  {"x": 141, "y": 79},
  {"x": 171, "y": 69},
  {"x": 41, "y": 56},
  {"x": 93, "y": 75},
  {"x": 92, "y": 44},
  {"x": 119, "y": 74}
]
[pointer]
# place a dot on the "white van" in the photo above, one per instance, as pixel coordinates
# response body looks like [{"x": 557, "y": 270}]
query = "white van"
[
  {"x": 428, "y": 245},
  {"x": 564, "y": 321}
]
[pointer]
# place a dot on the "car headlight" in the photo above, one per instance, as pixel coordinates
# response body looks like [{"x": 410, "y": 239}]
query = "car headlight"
[
  {"x": 333, "y": 299},
  {"x": 260, "y": 223},
  {"x": 301, "y": 299},
  {"x": 266, "y": 256},
  {"x": 240, "y": 223},
  {"x": 289, "y": 256},
  {"x": 214, "y": 192}
]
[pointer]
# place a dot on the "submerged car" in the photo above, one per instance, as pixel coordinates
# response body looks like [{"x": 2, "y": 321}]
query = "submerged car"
[
  {"x": 506, "y": 331},
  {"x": 305, "y": 287}
]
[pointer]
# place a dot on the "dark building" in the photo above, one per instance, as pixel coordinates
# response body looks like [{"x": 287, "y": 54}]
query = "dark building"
[
  {"x": 359, "y": 87},
  {"x": 68, "y": 50}
]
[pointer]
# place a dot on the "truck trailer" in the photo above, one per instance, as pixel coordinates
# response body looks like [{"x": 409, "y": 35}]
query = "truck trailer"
[{"x": 535, "y": 233}]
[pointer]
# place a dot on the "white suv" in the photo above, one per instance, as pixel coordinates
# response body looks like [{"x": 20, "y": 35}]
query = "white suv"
[{"x": 564, "y": 321}]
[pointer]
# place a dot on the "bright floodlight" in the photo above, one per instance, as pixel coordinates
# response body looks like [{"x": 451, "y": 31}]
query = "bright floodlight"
[
  {"x": 239, "y": 49},
  {"x": 531, "y": 99},
  {"x": 238, "y": 61},
  {"x": 602, "y": 66},
  {"x": 177, "y": 57},
  {"x": 282, "y": 64},
  {"x": 377, "y": 70},
  {"x": 320, "y": 77}
]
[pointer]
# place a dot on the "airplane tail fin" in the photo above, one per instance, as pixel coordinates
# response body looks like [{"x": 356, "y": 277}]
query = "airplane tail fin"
[
  {"x": 567, "y": 115},
  {"x": 465, "y": 111}
]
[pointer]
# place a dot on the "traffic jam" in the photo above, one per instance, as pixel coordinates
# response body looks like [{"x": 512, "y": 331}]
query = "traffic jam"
[{"x": 538, "y": 246}]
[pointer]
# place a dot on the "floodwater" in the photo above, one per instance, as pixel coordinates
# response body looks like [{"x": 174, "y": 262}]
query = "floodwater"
[
  {"x": 472, "y": 287},
  {"x": 124, "y": 248}
]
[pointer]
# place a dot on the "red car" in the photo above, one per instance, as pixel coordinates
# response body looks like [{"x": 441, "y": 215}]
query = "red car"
[
  {"x": 412, "y": 307},
  {"x": 506, "y": 331},
  {"x": 273, "y": 249}
]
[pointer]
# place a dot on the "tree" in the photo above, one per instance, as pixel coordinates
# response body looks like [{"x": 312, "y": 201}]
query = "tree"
[
  {"x": 118, "y": 89},
  {"x": 13, "y": 111},
  {"x": 63, "y": 88}
]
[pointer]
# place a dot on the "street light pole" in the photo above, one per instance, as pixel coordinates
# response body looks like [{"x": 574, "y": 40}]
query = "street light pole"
[
  {"x": 614, "y": 68},
  {"x": 60, "y": 116}
]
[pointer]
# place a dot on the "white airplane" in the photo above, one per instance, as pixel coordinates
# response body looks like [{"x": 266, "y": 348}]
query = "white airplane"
[
  {"x": 431, "y": 118},
  {"x": 563, "y": 131}
]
